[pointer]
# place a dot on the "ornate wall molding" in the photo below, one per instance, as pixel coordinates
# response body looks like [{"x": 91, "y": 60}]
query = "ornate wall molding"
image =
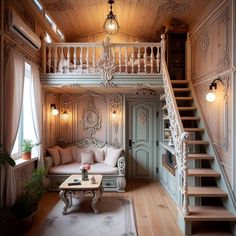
[
  {"x": 223, "y": 17},
  {"x": 224, "y": 62},
  {"x": 60, "y": 5},
  {"x": 66, "y": 103},
  {"x": 142, "y": 117},
  {"x": 172, "y": 8},
  {"x": 145, "y": 92},
  {"x": 204, "y": 43}
]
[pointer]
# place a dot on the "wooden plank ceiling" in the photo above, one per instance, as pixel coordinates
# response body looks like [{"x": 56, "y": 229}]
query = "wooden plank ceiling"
[{"x": 141, "y": 18}]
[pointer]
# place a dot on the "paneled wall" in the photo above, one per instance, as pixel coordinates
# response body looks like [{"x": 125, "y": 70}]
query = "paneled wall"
[
  {"x": 211, "y": 58},
  {"x": 89, "y": 115}
]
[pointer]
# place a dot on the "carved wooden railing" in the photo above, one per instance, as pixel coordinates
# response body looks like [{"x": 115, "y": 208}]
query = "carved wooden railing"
[
  {"x": 104, "y": 58},
  {"x": 179, "y": 136}
]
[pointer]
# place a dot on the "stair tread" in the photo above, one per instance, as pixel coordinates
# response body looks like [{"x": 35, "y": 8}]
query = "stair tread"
[
  {"x": 198, "y": 142},
  {"x": 184, "y": 98},
  {"x": 187, "y": 108},
  {"x": 179, "y": 81},
  {"x": 194, "y": 129},
  {"x": 209, "y": 213},
  {"x": 203, "y": 172},
  {"x": 200, "y": 156},
  {"x": 206, "y": 191},
  {"x": 190, "y": 118},
  {"x": 181, "y": 90}
]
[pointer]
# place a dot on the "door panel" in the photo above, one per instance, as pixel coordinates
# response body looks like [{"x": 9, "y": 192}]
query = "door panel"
[{"x": 141, "y": 136}]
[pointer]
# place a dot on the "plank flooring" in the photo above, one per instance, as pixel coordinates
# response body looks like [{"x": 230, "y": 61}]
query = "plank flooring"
[{"x": 155, "y": 211}]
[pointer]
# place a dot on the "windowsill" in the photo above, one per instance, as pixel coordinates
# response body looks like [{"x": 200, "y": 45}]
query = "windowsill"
[{"x": 20, "y": 162}]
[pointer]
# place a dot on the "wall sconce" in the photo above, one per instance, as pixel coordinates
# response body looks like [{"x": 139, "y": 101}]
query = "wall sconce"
[
  {"x": 211, "y": 97},
  {"x": 54, "y": 110},
  {"x": 65, "y": 115},
  {"x": 113, "y": 115}
]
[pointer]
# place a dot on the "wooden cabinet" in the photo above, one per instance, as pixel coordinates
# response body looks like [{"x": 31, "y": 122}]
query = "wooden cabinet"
[{"x": 176, "y": 54}]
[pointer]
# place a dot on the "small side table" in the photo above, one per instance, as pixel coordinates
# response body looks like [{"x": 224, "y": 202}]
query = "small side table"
[{"x": 80, "y": 191}]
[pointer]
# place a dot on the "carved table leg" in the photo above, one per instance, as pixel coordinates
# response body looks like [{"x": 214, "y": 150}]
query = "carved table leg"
[
  {"x": 63, "y": 197},
  {"x": 95, "y": 199},
  {"x": 101, "y": 191}
]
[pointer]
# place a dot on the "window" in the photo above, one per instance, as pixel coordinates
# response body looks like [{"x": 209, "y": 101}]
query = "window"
[{"x": 26, "y": 126}]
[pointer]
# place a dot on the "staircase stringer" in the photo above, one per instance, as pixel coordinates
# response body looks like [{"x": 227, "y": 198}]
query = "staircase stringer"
[{"x": 223, "y": 182}]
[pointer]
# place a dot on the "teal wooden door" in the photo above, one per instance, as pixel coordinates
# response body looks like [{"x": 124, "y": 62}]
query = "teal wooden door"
[{"x": 141, "y": 139}]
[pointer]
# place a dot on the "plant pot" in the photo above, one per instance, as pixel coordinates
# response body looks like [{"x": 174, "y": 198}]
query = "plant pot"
[{"x": 26, "y": 156}]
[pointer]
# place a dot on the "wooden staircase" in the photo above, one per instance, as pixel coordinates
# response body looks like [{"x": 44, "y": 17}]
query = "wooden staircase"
[{"x": 200, "y": 174}]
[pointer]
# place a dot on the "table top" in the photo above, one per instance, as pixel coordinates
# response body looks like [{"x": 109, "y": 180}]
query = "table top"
[{"x": 85, "y": 185}]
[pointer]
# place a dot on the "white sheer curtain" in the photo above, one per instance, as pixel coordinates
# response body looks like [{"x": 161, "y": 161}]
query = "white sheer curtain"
[
  {"x": 36, "y": 107},
  {"x": 13, "y": 96}
]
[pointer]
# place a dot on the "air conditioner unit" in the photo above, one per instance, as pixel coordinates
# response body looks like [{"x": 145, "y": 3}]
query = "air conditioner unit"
[{"x": 17, "y": 25}]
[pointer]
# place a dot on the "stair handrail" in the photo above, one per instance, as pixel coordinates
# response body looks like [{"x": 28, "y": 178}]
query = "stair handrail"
[{"x": 179, "y": 136}]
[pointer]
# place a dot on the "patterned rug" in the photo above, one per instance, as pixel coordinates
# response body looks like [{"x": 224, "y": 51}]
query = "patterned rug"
[{"x": 116, "y": 218}]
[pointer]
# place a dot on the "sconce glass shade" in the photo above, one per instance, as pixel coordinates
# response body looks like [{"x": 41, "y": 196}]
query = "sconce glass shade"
[
  {"x": 210, "y": 97},
  {"x": 65, "y": 115},
  {"x": 111, "y": 25},
  {"x": 54, "y": 110}
]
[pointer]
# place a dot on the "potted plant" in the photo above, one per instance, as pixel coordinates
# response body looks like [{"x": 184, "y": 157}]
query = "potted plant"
[
  {"x": 26, "y": 149},
  {"x": 27, "y": 204}
]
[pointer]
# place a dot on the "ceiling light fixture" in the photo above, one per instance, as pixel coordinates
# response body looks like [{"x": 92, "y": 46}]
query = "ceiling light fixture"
[{"x": 111, "y": 25}]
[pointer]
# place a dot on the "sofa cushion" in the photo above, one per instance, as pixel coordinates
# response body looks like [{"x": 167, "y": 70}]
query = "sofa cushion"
[
  {"x": 99, "y": 155},
  {"x": 112, "y": 156},
  {"x": 74, "y": 168},
  {"x": 87, "y": 158},
  {"x": 54, "y": 153},
  {"x": 76, "y": 153},
  {"x": 66, "y": 155}
]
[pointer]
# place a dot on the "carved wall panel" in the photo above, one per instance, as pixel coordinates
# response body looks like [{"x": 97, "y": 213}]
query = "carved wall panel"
[
  {"x": 51, "y": 126},
  {"x": 116, "y": 105},
  {"x": 211, "y": 46},
  {"x": 219, "y": 119}
]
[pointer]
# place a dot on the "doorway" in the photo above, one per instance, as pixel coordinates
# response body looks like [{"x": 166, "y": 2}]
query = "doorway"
[{"x": 142, "y": 140}]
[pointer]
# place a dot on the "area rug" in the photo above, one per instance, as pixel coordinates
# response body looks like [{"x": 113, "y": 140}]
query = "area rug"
[{"x": 116, "y": 218}]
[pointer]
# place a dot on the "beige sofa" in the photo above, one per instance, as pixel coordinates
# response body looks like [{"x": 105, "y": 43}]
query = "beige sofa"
[{"x": 105, "y": 159}]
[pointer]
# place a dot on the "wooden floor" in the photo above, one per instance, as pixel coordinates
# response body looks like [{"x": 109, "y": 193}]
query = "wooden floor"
[{"x": 154, "y": 210}]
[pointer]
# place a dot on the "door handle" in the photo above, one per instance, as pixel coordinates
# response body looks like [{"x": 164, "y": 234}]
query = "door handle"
[{"x": 130, "y": 143}]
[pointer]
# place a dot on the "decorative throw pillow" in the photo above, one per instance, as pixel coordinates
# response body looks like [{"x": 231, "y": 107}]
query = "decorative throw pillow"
[
  {"x": 54, "y": 153},
  {"x": 87, "y": 158},
  {"x": 76, "y": 152},
  {"x": 99, "y": 155},
  {"x": 66, "y": 155},
  {"x": 112, "y": 156}
]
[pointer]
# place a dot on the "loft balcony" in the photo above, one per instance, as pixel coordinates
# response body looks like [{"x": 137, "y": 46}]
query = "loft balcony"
[{"x": 101, "y": 64}]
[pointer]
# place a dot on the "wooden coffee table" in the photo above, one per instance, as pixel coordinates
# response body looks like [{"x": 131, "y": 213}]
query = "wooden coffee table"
[{"x": 80, "y": 191}]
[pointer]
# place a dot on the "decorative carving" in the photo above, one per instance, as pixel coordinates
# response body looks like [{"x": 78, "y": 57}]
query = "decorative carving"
[
  {"x": 108, "y": 84},
  {"x": 172, "y": 8},
  {"x": 142, "y": 117},
  {"x": 66, "y": 103},
  {"x": 115, "y": 102},
  {"x": 72, "y": 85},
  {"x": 90, "y": 141},
  {"x": 107, "y": 63},
  {"x": 121, "y": 166},
  {"x": 60, "y": 5},
  {"x": 204, "y": 43},
  {"x": 224, "y": 62},
  {"x": 223, "y": 17},
  {"x": 145, "y": 92},
  {"x": 92, "y": 118}
]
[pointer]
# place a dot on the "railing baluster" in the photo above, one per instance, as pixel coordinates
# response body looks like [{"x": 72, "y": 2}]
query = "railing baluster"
[
  {"x": 55, "y": 59},
  {"x": 145, "y": 60},
  {"x": 49, "y": 59},
  {"x": 68, "y": 60},
  {"x": 81, "y": 57},
  {"x": 74, "y": 57},
  {"x": 151, "y": 61},
  {"x": 132, "y": 60},
  {"x": 126, "y": 59},
  {"x": 94, "y": 56},
  {"x": 87, "y": 60},
  {"x": 119, "y": 59},
  {"x": 139, "y": 57},
  {"x": 158, "y": 59}
]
